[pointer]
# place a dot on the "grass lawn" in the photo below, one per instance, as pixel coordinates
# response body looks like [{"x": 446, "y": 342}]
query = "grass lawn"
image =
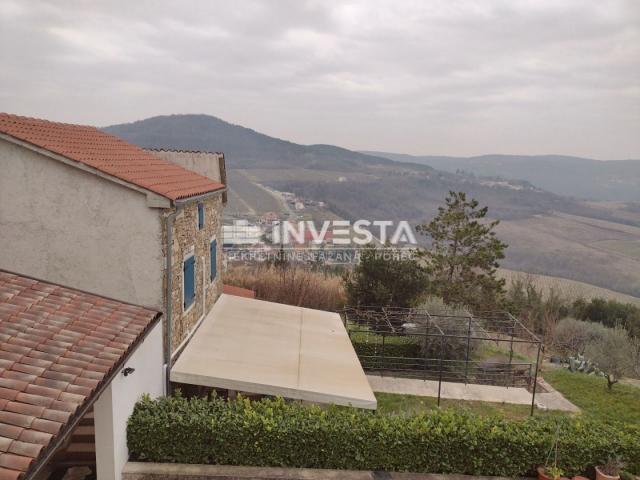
[
  {"x": 488, "y": 350},
  {"x": 590, "y": 393},
  {"x": 396, "y": 404}
]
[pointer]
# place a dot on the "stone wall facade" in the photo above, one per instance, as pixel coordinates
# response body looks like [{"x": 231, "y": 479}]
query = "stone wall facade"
[{"x": 188, "y": 240}]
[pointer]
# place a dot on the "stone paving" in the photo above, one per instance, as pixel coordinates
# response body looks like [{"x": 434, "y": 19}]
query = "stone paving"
[
  {"x": 552, "y": 400},
  {"x": 450, "y": 390},
  {"x": 177, "y": 471}
]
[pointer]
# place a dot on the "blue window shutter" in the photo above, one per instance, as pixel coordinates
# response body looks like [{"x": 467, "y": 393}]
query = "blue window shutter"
[
  {"x": 213, "y": 255},
  {"x": 200, "y": 216},
  {"x": 189, "y": 281}
]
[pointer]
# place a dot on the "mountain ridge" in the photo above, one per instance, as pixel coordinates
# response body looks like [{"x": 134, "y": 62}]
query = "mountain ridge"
[{"x": 580, "y": 177}]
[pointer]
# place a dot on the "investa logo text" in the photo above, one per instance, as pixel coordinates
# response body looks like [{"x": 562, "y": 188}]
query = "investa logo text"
[{"x": 343, "y": 232}]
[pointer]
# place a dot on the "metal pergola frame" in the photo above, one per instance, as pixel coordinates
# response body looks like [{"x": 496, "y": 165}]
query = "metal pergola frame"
[{"x": 420, "y": 324}]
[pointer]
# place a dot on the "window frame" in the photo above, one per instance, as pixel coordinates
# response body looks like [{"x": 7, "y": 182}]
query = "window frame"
[
  {"x": 190, "y": 256},
  {"x": 200, "y": 221},
  {"x": 213, "y": 240}
]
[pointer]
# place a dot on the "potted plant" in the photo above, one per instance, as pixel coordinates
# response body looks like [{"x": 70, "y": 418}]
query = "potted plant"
[
  {"x": 549, "y": 473},
  {"x": 610, "y": 470}
]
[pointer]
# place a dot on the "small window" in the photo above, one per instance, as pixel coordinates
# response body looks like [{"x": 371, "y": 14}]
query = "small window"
[
  {"x": 189, "y": 281},
  {"x": 200, "y": 216},
  {"x": 213, "y": 255}
]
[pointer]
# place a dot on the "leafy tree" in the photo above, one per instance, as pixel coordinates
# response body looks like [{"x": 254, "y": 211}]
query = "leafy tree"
[
  {"x": 571, "y": 337},
  {"x": 609, "y": 313},
  {"x": 464, "y": 254},
  {"x": 613, "y": 353},
  {"x": 385, "y": 277}
]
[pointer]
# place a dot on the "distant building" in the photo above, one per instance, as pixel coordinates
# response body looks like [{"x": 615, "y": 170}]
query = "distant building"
[
  {"x": 269, "y": 217},
  {"x": 241, "y": 234}
]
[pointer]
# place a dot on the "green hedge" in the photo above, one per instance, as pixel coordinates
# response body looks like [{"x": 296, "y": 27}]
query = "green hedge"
[
  {"x": 400, "y": 350},
  {"x": 277, "y": 433}
]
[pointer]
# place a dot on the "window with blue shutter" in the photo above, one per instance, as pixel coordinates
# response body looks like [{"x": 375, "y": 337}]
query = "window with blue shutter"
[
  {"x": 213, "y": 255},
  {"x": 189, "y": 281},
  {"x": 200, "y": 216}
]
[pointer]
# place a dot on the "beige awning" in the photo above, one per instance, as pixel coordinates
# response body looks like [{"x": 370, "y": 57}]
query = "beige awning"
[{"x": 269, "y": 348}]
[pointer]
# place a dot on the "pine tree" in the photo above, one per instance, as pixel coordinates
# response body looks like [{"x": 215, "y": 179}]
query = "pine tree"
[{"x": 464, "y": 254}]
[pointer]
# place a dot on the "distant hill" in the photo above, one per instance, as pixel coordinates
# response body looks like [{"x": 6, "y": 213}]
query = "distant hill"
[
  {"x": 548, "y": 233},
  {"x": 615, "y": 180},
  {"x": 356, "y": 184},
  {"x": 361, "y": 185},
  {"x": 243, "y": 147}
]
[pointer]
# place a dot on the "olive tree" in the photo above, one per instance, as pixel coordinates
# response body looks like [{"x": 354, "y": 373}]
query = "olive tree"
[{"x": 613, "y": 353}]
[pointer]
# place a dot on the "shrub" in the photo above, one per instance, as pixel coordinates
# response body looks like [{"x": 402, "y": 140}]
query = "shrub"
[
  {"x": 538, "y": 309},
  {"x": 610, "y": 313},
  {"x": 571, "y": 337},
  {"x": 276, "y": 433},
  {"x": 403, "y": 347},
  {"x": 385, "y": 277},
  {"x": 293, "y": 285}
]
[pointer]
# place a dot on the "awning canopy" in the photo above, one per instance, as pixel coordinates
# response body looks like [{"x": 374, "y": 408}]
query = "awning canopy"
[{"x": 269, "y": 348}]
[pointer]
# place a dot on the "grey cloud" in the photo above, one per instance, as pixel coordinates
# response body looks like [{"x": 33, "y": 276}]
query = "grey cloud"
[{"x": 438, "y": 77}]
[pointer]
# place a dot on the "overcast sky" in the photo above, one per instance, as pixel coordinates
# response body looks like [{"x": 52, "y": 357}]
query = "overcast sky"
[{"x": 422, "y": 77}]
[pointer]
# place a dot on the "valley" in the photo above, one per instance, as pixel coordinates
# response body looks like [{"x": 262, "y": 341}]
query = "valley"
[{"x": 595, "y": 241}]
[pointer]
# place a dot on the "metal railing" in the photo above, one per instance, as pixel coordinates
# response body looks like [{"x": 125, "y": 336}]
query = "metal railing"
[{"x": 438, "y": 346}]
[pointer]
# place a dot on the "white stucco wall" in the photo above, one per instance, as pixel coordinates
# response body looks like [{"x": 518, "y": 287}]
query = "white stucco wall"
[
  {"x": 204, "y": 163},
  {"x": 68, "y": 226},
  {"x": 115, "y": 405}
]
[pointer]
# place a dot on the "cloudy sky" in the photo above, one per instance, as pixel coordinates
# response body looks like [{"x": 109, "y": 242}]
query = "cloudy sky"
[{"x": 422, "y": 77}]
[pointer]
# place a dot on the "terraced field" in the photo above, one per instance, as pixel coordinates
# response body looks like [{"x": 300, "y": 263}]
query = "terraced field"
[{"x": 570, "y": 289}]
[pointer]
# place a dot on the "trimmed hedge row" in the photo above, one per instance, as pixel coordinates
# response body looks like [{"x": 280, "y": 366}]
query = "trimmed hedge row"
[
  {"x": 400, "y": 350},
  {"x": 276, "y": 433}
]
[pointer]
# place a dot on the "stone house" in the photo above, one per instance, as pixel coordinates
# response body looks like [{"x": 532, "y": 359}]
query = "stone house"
[
  {"x": 110, "y": 287},
  {"x": 85, "y": 209}
]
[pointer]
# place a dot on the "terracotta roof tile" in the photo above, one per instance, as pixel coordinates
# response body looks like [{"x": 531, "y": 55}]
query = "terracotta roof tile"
[
  {"x": 32, "y": 436},
  {"x": 6, "y": 474},
  {"x": 238, "y": 291},
  {"x": 25, "y": 449},
  {"x": 51, "y": 364},
  {"x": 108, "y": 154},
  {"x": 10, "y": 431},
  {"x": 15, "y": 462},
  {"x": 5, "y": 443}
]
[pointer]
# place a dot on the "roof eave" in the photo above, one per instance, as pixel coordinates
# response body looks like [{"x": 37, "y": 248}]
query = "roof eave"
[
  {"x": 202, "y": 196},
  {"x": 76, "y": 164}
]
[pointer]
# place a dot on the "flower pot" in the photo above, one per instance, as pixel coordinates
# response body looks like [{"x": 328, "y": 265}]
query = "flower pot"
[
  {"x": 600, "y": 475},
  {"x": 542, "y": 474}
]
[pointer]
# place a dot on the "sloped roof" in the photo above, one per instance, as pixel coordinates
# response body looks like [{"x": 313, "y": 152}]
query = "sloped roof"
[
  {"x": 109, "y": 154},
  {"x": 275, "y": 349},
  {"x": 58, "y": 348}
]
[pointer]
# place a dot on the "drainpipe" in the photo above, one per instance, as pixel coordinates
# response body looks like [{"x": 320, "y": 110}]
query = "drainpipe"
[{"x": 169, "y": 298}]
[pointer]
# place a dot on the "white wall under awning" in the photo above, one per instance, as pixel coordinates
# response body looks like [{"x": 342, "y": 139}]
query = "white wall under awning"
[
  {"x": 115, "y": 404},
  {"x": 269, "y": 348}
]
